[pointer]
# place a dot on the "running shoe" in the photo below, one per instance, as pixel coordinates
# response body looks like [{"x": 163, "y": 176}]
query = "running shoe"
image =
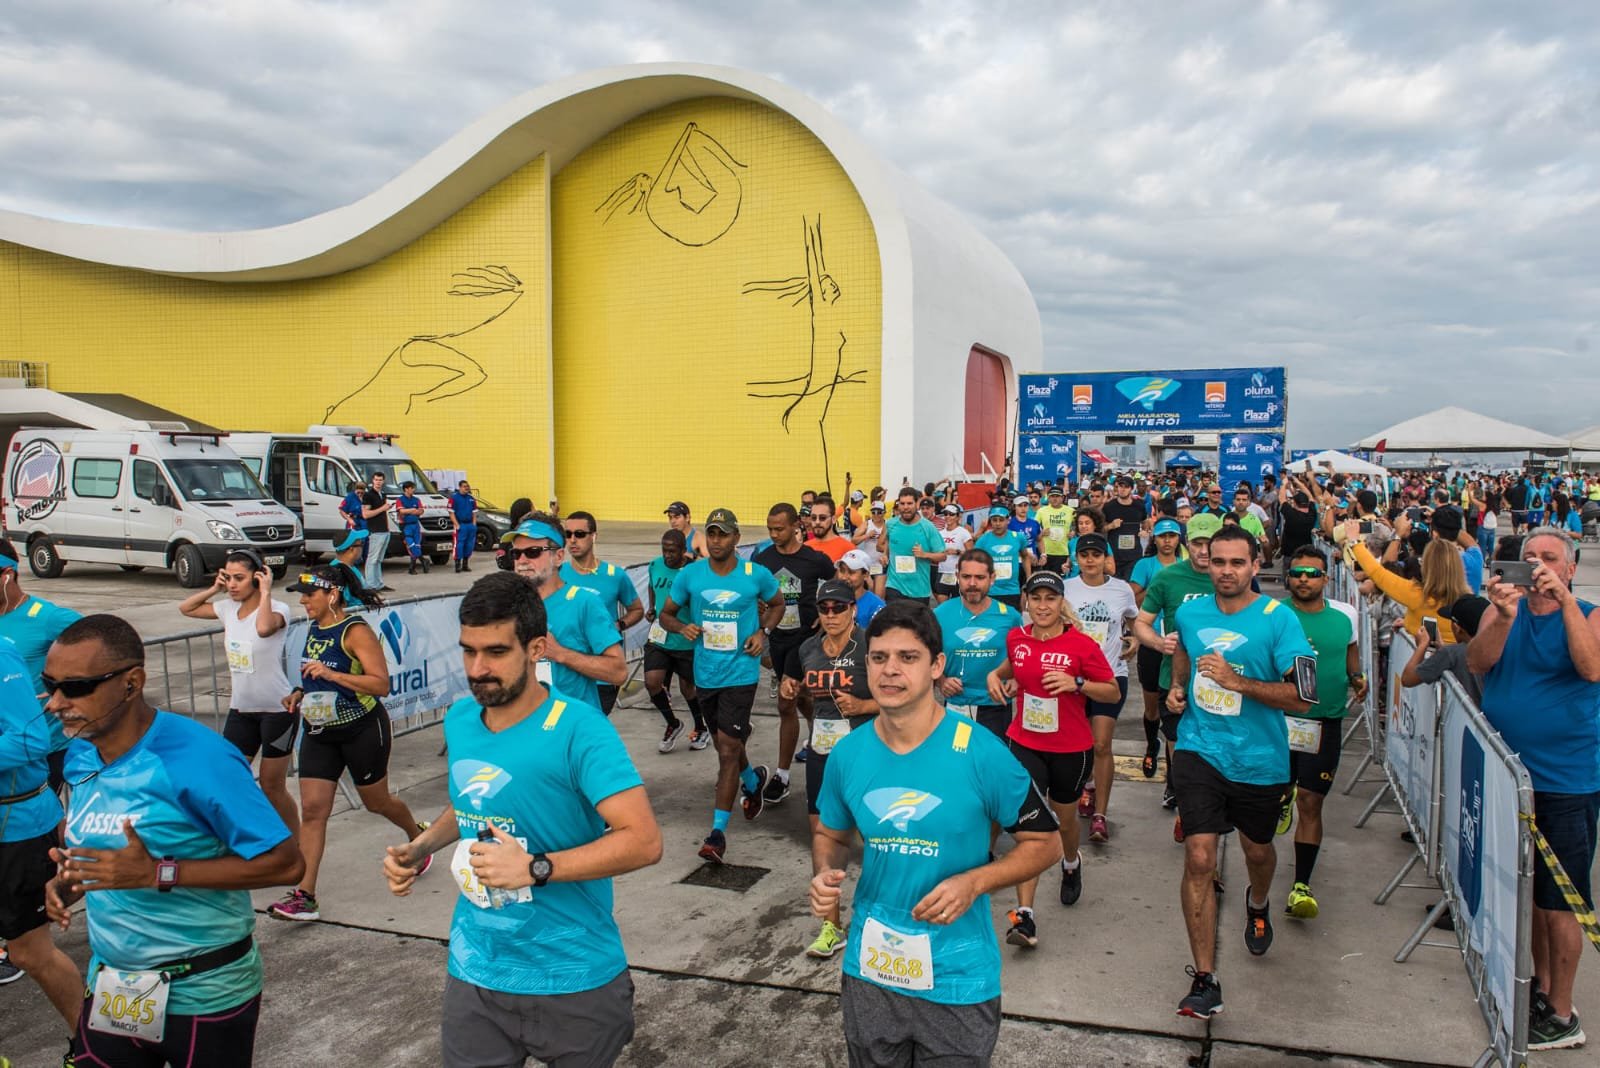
[
  {"x": 9, "y": 973},
  {"x": 1548, "y": 1032},
  {"x": 699, "y": 739},
  {"x": 755, "y": 800},
  {"x": 1538, "y": 1005},
  {"x": 1205, "y": 996},
  {"x": 772, "y": 688},
  {"x": 1168, "y": 798},
  {"x": 427, "y": 861},
  {"x": 775, "y": 792},
  {"x": 1257, "y": 929},
  {"x": 1177, "y": 828},
  {"x": 1148, "y": 764},
  {"x": 1301, "y": 904},
  {"x": 669, "y": 739},
  {"x": 714, "y": 846},
  {"x": 1023, "y": 932},
  {"x": 803, "y": 753},
  {"x": 1072, "y": 884},
  {"x": 1286, "y": 813},
  {"x": 1086, "y": 802},
  {"x": 1098, "y": 830},
  {"x": 829, "y": 942},
  {"x": 296, "y": 905}
]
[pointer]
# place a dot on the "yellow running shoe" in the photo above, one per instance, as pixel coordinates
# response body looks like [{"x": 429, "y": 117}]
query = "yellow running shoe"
[
  {"x": 1286, "y": 814},
  {"x": 1301, "y": 905},
  {"x": 829, "y": 942}
]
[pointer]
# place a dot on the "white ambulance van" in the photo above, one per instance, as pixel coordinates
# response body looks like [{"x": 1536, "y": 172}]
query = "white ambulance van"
[
  {"x": 297, "y": 470},
  {"x": 371, "y": 454},
  {"x": 139, "y": 498}
]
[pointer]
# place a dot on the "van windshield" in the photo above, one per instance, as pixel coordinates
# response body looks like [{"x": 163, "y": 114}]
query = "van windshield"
[
  {"x": 395, "y": 473},
  {"x": 215, "y": 480}
]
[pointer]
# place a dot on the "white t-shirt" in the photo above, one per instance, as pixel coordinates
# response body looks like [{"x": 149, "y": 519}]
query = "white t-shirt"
[
  {"x": 870, "y": 545},
  {"x": 956, "y": 541},
  {"x": 1104, "y": 610},
  {"x": 255, "y": 664}
]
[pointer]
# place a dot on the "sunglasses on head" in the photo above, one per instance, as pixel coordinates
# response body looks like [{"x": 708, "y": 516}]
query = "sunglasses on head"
[
  {"x": 1306, "y": 572},
  {"x": 831, "y": 608},
  {"x": 532, "y": 552},
  {"x": 75, "y": 688},
  {"x": 577, "y": 533}
]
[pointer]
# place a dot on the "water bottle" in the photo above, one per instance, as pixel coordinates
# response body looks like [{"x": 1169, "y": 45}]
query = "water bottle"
[{"x": 498, "y": 898}]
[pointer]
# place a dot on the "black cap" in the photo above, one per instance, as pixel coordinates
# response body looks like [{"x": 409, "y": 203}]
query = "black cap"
[
  {"x": 676, "y": 508},
  {"x": 1448, "y": 521},
  {"x": 1096, "y": 542},
  {"x": 1123, "y": 480},
  {"x": 836, "y": 590},
  {"x": 1045, "y": 580},
  {"x": 1466, "y": 613}
]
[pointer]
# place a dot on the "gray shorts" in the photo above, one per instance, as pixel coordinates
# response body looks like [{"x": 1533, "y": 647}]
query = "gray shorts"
[
  {"x": 489, "y": 1029},
  {"x": 885, "y": 1029}
]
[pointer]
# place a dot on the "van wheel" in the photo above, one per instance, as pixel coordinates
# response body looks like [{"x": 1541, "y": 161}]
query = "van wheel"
[
  {"x": 44, "y": 561},
  {"x": 440, "y": 559},
  {"x": 190, "y": 567},
  {"x": 132, "y": 569},
  {"x": 486, "y": 538},
  {"x": 280, "y": 570}
]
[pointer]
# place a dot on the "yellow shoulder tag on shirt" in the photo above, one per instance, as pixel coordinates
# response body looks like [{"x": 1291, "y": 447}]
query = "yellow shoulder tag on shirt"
[
  {"x": 572, "y": 591},
  {"x": 611, "y": 569},
  {"x": 34, "y": 609},
  {"x": 1271, "y": 604},
  {"x": 749, "y": 568},
  {"x": 554, "y": 717},
  {"x": 963, "y": 735},
  {"x": 1004, "y": 608}
]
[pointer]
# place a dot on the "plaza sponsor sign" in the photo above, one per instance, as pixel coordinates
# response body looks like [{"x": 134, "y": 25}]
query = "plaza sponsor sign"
[
  {"x": 1119, "y": 402},
  {"x": 1047, "y": 458},
  {"x": 1246, "y": 458},
  {"x": 421, "y": 645}
]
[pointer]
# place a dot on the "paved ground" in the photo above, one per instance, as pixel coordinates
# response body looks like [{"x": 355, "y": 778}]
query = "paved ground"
[{"x": 721, "y": 979}]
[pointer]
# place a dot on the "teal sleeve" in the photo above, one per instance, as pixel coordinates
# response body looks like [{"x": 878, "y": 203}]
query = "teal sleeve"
[
  {"x": 599, "y": 626},
  {"x": 600, "y": 762},
  {"x": 627, "y": 596}
]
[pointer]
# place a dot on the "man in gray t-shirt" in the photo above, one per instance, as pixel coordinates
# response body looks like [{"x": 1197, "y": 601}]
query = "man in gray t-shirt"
[{"x": 1452, "y": 658}]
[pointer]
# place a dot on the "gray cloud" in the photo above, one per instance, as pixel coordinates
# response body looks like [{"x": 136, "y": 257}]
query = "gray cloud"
[{"x": 1398, "y": 202}]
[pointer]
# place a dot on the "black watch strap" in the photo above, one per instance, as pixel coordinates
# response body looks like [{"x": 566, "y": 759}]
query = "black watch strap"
[{"x": 540, "y": 869}]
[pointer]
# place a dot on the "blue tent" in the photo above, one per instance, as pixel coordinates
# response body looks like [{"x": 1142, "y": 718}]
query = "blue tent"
[{"x": 1185, "y": 459}]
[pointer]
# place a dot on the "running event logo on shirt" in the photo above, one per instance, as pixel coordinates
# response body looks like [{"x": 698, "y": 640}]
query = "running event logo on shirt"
[
  {"x": 975, "y": 635},
  {"x": 1222, "y": 641},
  {"x": 88, "y": 822},
  {"x": 478, "y": 781},
  {"x": 1147, "y": 392},
  {"x": 901, "y": 807},
  {"x": 720, "y": 598}
]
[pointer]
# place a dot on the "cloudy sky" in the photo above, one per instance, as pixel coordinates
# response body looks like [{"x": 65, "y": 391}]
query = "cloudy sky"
[{"x": 1397, "y": 201}]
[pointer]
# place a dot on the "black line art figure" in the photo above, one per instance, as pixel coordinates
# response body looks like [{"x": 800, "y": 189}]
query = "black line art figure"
[
  {"x": 694, "y": 198},
  {"x": 825, "y": 372},
  {"x": 429, "y": 367}
]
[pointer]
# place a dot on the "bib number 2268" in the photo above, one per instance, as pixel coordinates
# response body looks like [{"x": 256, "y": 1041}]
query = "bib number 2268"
[{"x": 890, "y": 958}]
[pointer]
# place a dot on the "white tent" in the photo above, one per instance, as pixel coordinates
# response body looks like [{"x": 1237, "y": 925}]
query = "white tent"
[
  {"x": 1458, "y": 430},
  {"x": 1586, "y": 439},
  {"x": 1343, "y": 463}
]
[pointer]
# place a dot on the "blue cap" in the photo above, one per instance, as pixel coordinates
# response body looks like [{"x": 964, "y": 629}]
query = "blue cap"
[
  {"x": 1167, "y": 525},
  {"x": 1000, "y": 510},
  {"x": 532, "y": 528},
  {"x": 351, "y": 537}
]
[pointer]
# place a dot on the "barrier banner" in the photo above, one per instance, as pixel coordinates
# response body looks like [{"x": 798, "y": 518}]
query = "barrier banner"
[
  {"x": 1047, "y": 458},
  {"x": 1250, "y": 398},
  {"x": 1413, "y": 713},
  {"x": 1245, "y": 458},
  {"x": 633, "y": 641},
  {"x": 1481, "y": 836},
  {"x": 422, "y": 644}
]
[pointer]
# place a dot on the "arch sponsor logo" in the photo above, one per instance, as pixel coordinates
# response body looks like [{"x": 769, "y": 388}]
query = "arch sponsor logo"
[
  {"x": 1216, "y": 394},
  {"x": 1083, "y": 396},
  {"x": 901, "y": 807},
  {"x": 1147, "y": 392},
  {"x": 1260, "y": 388},
  {"x": 1045, "y": 389},
  {"x": 37, "y": 480}
]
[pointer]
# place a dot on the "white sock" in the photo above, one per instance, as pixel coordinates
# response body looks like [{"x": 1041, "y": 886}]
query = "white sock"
[
  {"x": 1024, "y": 910},
  {"x": 1076, "y": 863},
  {"x": 782, "y": 774}
]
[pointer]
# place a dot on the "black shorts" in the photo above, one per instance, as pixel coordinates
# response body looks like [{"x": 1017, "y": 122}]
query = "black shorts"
[
  {"x": 1149, "y": 663},
  {"x": 1012, "y": 599},
  {"x": 362, "y": 747},
  {"x": 891, "y": 595},
  {"x": 25, "y": 868},
  {"x": 1108, "y": 709},
  {"x": 1567, "y": 822},
  {"x": 995, "y": 718},
  {"x": 1316, "y": 771},
  {"x": 727, "y": 709},
  {"x": 269, "y": 733},
  {"x": 817, "y": 766},
  {"x": 946, "y": 586},
  {"x": 785, "y": 652},
  {"x": 679, "y": 662},
  {"x": 1058, "y": 564},
  {"x": 226, "y": 1037},
  {"x": 1061, "y": 776},
  {"x": 608, "y": 697},
  {"x": 1210, "y": 803}
]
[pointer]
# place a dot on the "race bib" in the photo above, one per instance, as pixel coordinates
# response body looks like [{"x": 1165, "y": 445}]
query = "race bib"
[
  {"x": 320, "y": 708},
  {"x": 720, "y": 635},
  {"x": 1058, "y": 533},
  {"x": 791, "y": 617},
  {"x": 1039, "y": 714},
  {"x": 1098, "y": 629},
  {"x": 1213, "y": 698},
  {"x": 1003, "y": 570},
  {"x": 130, "y": 1004},
  {"x": 826, "y": 733},
  {"x": 241, "y": 656},
  {"x": 467, "y": 879},
  {"x": 1126, "y": 542},
  {"x": 658, "y": 634},
  {"x": 895, "y": 960},
  {"x": 1305, "y": 735},
  {"x": 544, "y": 672},
  {"x": 905, "y": 565},
  {"x": 970, "y": 711}
]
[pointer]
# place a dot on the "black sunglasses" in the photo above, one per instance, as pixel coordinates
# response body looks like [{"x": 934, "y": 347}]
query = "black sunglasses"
[
  {"x": 832, "y": 608},
  {"x": 76, "y": 688},
  {"x": 532, "y": 552},
  {"x": 577, "y": 533}
]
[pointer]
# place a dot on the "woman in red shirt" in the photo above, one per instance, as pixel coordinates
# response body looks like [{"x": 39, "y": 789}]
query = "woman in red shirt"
[{"x": 1051, "y": 670}]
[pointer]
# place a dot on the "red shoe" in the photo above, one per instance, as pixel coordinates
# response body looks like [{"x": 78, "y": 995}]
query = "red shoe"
[
  {"x": 1098, "y": 831},
  {"x": 1086, "y": 802}
]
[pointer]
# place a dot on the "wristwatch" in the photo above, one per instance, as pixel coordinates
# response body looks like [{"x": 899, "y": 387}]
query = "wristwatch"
[
  {"x": 1078, "y": 681},
  {"x": 166, "y": 874},
  {"x": 540, "y": 869}
]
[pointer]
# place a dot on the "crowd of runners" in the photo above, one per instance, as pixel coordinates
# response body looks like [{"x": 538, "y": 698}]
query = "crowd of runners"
[{"x": 951, "y": 692}]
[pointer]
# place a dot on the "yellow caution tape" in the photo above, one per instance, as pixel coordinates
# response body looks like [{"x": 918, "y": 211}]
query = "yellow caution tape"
[{"x": 1580, "y": 909}]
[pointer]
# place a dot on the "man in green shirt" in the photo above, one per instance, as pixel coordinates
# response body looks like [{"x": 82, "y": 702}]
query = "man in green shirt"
[
  {"x": 1055, "y": 532},
  {"x": 1314, "y": 738},
  {"x": 1171, "y": 587},
  {"x": 1248, "y": 520}
]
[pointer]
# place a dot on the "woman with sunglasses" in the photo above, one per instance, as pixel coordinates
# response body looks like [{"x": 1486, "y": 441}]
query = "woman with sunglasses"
[
  {"x": 1052, "y": 670},
  {"x": 832, "y": 666},
  {"x": 343, "y": 677},
  {"x": 253, "y": 630}
]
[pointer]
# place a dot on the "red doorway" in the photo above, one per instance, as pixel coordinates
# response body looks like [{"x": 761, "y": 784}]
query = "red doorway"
[{"x": 987, "y": 428}]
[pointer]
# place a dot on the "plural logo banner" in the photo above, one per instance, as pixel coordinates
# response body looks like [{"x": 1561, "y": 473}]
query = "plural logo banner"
[
  {"x": 421, "y": 644},
  {"x": 1047, "y": 458},
  {"x": 1246, "y": 458},
  {"x": 1113, "y": 402}
]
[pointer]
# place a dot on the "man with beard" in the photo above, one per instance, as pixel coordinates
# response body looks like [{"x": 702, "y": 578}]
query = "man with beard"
[{"x": 546, "y": 808}]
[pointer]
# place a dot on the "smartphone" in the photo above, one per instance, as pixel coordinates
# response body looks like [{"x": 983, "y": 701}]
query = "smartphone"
[
  {"x": 1431, "y": 625},
  {"x": 1366, "y": 526},
  {"x": 1513, "y": 572}
]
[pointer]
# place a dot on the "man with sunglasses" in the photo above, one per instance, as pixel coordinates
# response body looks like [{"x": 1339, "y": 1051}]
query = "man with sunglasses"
[
  {"x": 609, "y": 582},
  {"x": 1314, "y": 737},
  {"x": 825, "y": 537},
  {"x": 583, "y": 647},
  {"x": 166, "y": 833}
]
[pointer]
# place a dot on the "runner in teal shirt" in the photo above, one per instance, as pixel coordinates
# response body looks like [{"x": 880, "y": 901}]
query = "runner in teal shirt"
[
  {"x": 910, "y": 546},
  {"x": 1009, "y": 549},
  {"x": 727, "y": 609}
]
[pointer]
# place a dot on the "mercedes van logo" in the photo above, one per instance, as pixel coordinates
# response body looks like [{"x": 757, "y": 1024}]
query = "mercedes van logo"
[{"x": 272, "y": 533}]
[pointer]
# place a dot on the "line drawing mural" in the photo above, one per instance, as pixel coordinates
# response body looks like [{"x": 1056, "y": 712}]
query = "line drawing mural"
[
  {"x": 694, "y": 197},
  {"x": 429, "y": 367},
  {"x": 820, "y": 292}
]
